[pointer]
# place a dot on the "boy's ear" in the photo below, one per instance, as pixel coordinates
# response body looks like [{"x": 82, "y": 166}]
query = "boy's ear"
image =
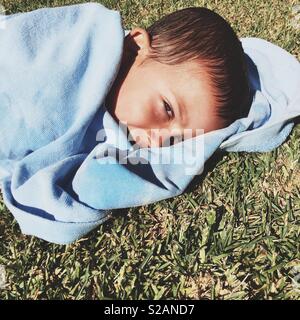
[{"x": 139, "y": 41}]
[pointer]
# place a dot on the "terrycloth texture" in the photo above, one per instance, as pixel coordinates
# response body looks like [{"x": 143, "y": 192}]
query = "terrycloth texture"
[{"x": 56, "y": 67}]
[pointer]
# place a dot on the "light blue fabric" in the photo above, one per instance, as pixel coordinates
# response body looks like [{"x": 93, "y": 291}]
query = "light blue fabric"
[{"x": 56, "y": 68}]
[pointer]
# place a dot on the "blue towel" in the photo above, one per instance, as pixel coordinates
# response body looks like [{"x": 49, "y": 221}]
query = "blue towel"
[{"x": 56, "y": 68}]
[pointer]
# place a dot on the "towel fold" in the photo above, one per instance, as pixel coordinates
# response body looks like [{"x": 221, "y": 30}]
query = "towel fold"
[{"x": 56, "y": 68}]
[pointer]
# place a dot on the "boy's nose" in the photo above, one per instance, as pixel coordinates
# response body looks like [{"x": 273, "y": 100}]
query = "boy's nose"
[
  {"x": 155, "y": 140},
  {"x": 147, "y": 138},
  {"x": 139, "y": 137},
  {"x": 153, "y": 137},
  {"x": 161, "y": 137}
]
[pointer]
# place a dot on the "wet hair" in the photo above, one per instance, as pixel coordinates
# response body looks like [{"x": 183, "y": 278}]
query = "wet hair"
[{"x": 200, "y": 34}]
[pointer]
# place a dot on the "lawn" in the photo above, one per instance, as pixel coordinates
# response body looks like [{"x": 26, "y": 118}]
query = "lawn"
[{"x": 233, "y": 235}]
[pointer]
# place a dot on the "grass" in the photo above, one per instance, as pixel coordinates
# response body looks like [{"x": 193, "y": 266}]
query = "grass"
[{"x": 233, "y": 235}]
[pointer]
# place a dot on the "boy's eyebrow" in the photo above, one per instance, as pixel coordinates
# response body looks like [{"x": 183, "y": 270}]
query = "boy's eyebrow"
[{"x": 181, "y": 109}]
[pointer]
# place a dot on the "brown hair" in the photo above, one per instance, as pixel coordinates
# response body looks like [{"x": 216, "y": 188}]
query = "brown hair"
[{"x": 200, "y": 34}]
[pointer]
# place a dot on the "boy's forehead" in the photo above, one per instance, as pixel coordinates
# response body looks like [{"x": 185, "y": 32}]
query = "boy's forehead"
[{"x": 196, "y": 92}]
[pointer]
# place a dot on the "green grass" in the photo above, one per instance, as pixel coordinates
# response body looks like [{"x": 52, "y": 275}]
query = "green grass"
[{"x": 233, "y": 235}]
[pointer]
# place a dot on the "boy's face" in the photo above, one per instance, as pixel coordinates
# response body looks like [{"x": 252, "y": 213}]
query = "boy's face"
[{"x": 150, "y": 95}]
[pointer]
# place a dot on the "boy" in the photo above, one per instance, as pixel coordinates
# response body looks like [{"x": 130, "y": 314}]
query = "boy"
[
  {"x": 60, "y": 66},
  {"x": 186, "y": 71}
]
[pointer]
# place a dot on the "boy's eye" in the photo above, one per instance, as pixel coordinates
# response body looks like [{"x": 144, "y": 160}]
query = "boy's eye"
[{"x": 169, "y": 110}]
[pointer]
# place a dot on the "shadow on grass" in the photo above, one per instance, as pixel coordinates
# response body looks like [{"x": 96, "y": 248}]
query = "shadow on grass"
[
  {"x": 210, "y": 164},
  {"x": 297, "y": 120}
]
